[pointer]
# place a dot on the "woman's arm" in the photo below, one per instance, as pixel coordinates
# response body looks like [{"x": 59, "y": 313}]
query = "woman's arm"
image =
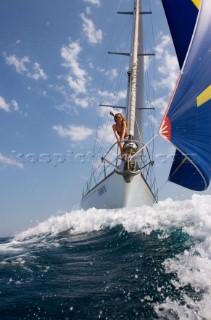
[
  {"x": 115, "y": 132},
  {"x": 124, "y": 127}
]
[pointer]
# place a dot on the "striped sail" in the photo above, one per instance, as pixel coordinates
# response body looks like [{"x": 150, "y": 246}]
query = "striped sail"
[
  {"x": 181, "y": 16},
  {"x": 187, "y": 122}
]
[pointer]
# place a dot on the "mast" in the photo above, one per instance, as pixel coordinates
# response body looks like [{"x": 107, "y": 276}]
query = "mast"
[{"x": 134, "y": 73}]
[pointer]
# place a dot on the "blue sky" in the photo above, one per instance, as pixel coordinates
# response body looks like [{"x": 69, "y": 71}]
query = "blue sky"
[{"x": 53, "y": 57}]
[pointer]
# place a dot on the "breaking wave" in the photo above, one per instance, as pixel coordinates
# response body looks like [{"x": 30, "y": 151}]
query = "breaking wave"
[{"x": 153, "y": 261}]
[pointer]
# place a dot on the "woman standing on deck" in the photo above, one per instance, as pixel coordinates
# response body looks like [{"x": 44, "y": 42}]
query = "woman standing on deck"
[{"x": 120, "y": 131}]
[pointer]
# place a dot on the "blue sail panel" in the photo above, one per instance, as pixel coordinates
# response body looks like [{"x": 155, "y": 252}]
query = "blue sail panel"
[
  {"x": 183, "y": 168},
  {"x": 187, "y": 123},
  {"x": 181, "y": 16}
]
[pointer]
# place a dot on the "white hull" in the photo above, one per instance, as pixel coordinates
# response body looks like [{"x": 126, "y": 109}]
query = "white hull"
[{"x": 114, "y": 192}]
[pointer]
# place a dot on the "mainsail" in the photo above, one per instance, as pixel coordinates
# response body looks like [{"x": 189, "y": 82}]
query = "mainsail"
[{"x": 187, "y": 122}]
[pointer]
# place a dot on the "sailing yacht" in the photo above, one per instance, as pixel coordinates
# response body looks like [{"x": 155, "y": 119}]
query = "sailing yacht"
[
  {"x": 186, "y": 123},
  {"x": 127, "y": 183}
]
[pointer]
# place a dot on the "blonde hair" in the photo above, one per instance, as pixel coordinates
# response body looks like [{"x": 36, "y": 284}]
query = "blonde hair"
[{"x": 122, "y": 117}]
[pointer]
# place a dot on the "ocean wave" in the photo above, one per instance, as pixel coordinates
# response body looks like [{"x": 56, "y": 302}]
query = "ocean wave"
[
  {"x": 191, "y": 267},
  {"x": 194, "y": 216}
]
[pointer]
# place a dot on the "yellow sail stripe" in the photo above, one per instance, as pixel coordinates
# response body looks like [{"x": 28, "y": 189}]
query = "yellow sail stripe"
[
  {"x": 197, "y": 3},
  {"x": 204, "y": 96}
]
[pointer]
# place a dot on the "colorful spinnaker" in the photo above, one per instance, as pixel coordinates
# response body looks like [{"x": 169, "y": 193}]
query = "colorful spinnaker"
[
  {"x": 181, "y": 16},
  {"x": 187, "y": 122}
]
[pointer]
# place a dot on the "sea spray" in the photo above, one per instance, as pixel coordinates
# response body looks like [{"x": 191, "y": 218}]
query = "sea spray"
[{"x": 137, "y": 263}]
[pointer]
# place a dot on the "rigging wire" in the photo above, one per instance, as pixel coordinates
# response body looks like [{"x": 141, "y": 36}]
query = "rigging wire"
[
  {"x": 102, "y": 89},
  {"x": 116, "y": 88},
  {"x": 145, "y": 145},
  {"x": 118, "y": 81},
  {"x": 98, "y": 145},
  {"x": 162, "y": 186},
  {"x": 153, "y": 88}
]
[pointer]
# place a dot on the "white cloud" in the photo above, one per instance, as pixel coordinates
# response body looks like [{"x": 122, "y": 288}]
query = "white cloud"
[
  {"x": 101, "y": 70},
  {"x": 4, "y": 105},
  {"x": 78, "y": 78},
  {"x": 26, "y": 67},
  {"x": 77, "y": 84},
  {"x": 93, "y": 36},
  {"x": 113, "y": 97},
  {"x": 82, "y": 102},
  {"x": 19, "y": 64},
  {"x": 152, "y": 120},
  {"x": 71, "y": 101},
  {"x": 75, "y": 133},
  {"x": 7, "y": 106},
  {"x": 168, "y": 64},
  {"x": 106, "y": 134},
  {"x": 147, "y": 62},
  {"x": 14, "y": 104},
  {"x": 37, "y": 73},
  {"x": 160, "y": 104},
  {"x": 91, "y": 65},
  {"x": 88, "y": 10},
  {"x": 94, "y": 2},
  {"x": 112, "y": 73},
  {"x": 161, "y": 47},
  {"x": 7, "y": 161},
  {"x": 70, "y": 54}
]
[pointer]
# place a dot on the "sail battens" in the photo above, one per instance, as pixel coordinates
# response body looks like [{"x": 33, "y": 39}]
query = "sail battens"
[{"x": 189, "y": 113}]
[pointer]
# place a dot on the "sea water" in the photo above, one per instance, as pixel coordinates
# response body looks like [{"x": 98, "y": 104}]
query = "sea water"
[{"x": 138, "y": 263}]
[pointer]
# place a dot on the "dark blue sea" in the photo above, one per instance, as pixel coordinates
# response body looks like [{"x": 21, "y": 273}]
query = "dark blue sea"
[{"x": 138, "y": 263}]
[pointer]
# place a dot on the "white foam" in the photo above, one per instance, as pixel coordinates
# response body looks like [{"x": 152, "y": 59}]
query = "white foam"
[
  {"x": 192, "y": 267},
  {"x": 12, "y": 246},
  {"x": 193, "y": 215}
]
